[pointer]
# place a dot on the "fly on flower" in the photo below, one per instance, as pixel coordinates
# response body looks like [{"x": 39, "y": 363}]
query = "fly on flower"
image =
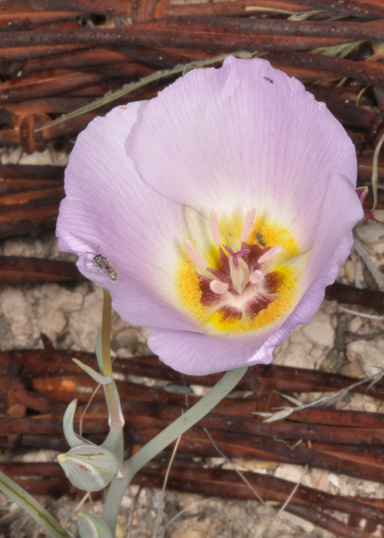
[
  {"x": 227, "y": 204},
  {"x": 104, "y": 265},
  {"x": 260, "y": 239}
]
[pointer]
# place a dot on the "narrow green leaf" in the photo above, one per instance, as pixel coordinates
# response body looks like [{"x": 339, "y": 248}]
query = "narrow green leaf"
[
  {"x": 99, "y": 378},
  {"x": 72, "y": 438},
  {"x": 32, "y": 507},
  {"x": 154, "y": 77},
  {"x": 340, "y": 51}
]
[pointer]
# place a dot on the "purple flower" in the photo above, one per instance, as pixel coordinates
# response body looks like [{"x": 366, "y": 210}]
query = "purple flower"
[{"x": 215, "y": 214}]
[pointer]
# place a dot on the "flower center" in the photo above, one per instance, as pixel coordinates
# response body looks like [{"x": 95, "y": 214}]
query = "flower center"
[{"x": 243, "y": 280}]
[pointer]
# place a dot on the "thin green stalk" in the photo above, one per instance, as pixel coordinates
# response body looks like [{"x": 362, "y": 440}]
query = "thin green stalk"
[
  {"x": 106, "y": 367},
  {"x": 115, "y": 441},
  {"x": 116, "y": 419},
  {"x": 163, "y": 439},
  {"x": 32, "y": 507}
]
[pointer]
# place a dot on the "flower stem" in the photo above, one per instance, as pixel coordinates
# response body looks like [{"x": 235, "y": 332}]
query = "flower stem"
[
  {"x": 106, "y": 368},
  {"x": 163, "y": 439},
  {"x": 114, "y": 440}
]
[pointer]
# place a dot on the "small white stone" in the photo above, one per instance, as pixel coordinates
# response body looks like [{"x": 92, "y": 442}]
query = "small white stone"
[
  {"x": 317, "y": 352},
  {"x": 293, "y": 354},
  {"x": 378, "y": 250},
  {"x": 355, "y": 324},
  {"x": 296, "y": 521},
  {"x": 12, "y": 302},
  {"x": 51, "y": 322},
  {"x": 352, "y": 369},
  {"x": 63, "y": 299},
  {"x": 319, "y": 479},
  {"x": 293, "y": 473},
  {"x": 369, "y": 354},
  {"x": 319, "y": 330},
  {"x": 334, "y": 480},
  {"x": 370, "y": 407},
  {"x": 370, "y": 232},
  {"x": 349, "y": 267}
]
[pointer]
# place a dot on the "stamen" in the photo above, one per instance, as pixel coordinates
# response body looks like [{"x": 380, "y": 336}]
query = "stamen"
[
  {"x": 270, "y": 254},
  {"x": 248, "y": 224},
  {"x": 256, "y": 277},
  {"x": 236, "y": 255},
  {"x": 214, "y": 221},
  {"x": 218, "y": 287},
  {"x": 194, "y": 256},
  {"x": 237, "y": 274}
]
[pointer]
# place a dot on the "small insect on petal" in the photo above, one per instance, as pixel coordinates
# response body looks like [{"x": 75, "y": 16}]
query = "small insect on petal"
[
  {"x": 260, "y": 239},
  {"x": 105, "y": 265}
]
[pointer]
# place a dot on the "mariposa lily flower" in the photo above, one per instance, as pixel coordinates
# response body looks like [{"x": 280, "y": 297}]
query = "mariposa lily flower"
[{"x": 215, "y": 214}]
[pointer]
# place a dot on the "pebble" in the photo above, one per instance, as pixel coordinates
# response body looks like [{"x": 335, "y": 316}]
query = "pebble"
[
  {"x": 349, "y": 267},
  {"x": 294, "y": 354},
  {"x": 51, "y": 322},
  {"x": 369, "y": 354},
  {"x": 370, "y": 232},
  {"x": 61, "y": 298},
  {"x": 352, "y": 369},
  {"x": 293, "y": 473},
  {"x": 355, "y": 324},
  {"x": 319, "y": 330}
]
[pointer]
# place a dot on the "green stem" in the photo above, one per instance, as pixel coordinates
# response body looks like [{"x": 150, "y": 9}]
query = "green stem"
[
  {"x": 115, "y": 441},
  {"x": 106, "y": 367},
  {"x": 163, "y": 439},
  {"x": 32, "y": 507}
]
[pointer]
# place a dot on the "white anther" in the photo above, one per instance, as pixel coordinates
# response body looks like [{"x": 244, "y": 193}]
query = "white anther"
[
  {"x": 270, "y": 254},
  {"x": 215, "y": 229},
  {"x": 219, "y": 287},
  {"x": 194, "y": 256},
  {"x": 256, "y": 277},
  {"x": 248, "y": 224}
]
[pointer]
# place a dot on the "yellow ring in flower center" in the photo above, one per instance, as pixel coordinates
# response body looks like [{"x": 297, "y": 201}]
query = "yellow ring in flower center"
[{"x": 232, "y": 290}]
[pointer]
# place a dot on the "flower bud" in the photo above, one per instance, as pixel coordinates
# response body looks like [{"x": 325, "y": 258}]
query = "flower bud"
[
  {"x": 89, "y": 467},
  {"x": 91, "y": 526}
]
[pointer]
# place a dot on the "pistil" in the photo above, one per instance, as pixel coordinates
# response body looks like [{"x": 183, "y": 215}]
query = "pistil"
[{"x": 236, "y": 255}]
